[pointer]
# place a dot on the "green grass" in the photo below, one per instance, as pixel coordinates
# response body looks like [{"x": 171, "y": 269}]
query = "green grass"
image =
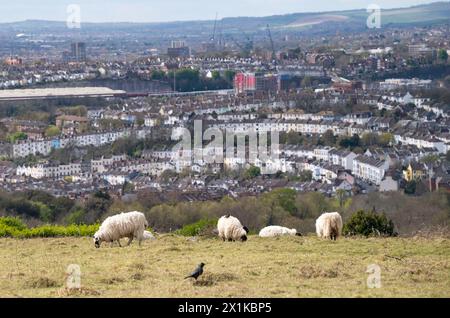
[{"x": 280, "y": 267}]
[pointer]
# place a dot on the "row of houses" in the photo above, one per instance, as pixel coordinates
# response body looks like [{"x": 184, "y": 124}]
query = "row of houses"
[
  {"x": 423, "y": 141},
  {"x": 304, "y": 127},
  {"x": 45, "y": 147}
]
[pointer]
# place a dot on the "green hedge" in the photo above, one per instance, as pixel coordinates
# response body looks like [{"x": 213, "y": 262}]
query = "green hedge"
[
  {"x": 369, "y": 224},
  {"x": 202, "y": 227},
  {"x": 14, "y": 227}
]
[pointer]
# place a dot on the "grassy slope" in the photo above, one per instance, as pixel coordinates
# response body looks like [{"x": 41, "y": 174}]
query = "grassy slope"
[
  {"x": 434, "y": 13},
  {"x": 283, "y": 267}
]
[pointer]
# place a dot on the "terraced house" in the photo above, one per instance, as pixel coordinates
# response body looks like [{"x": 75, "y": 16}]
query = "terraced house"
[{"x": 370, "y": 169}]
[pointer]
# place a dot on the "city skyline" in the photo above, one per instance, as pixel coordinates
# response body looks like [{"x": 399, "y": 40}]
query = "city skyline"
[{"x": 159, "y": 11}]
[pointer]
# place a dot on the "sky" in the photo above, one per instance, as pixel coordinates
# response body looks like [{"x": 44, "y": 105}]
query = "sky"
[{"x": 176, "y": 10}]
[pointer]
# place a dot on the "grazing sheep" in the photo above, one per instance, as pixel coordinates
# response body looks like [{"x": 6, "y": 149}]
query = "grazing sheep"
[
  {"x": 231, "y": 229},
  {"x": 131, "y": 225},
  {"x": 329, "y": 226},
  {"x": 275, "y": 230}
]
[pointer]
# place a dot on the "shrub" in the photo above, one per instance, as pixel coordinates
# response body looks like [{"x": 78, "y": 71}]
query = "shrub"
[
  {"x": 13, "y": 222},
  {"x": 14, "y": 227},
  {"x": 202, "y": 227},
  {"x": 368, "y": 224}
]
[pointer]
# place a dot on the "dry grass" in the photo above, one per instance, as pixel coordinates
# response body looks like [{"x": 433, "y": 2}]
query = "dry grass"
[{"x": 282, "y": 267}]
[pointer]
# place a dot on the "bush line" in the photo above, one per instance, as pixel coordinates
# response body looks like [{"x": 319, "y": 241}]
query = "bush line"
[{"x": 14, "y": 227}]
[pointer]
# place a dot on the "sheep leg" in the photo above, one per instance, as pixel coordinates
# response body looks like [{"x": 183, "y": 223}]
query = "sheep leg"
[
  {"x": 118, "y": 241},
  {"x": 130, "y": 239}
]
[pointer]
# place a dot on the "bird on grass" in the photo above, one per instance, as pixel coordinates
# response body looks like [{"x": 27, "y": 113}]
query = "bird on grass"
[{"x": 197, "y": 272}]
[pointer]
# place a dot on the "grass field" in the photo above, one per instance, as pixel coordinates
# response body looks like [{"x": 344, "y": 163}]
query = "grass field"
[{"x": 280, "y": 267}]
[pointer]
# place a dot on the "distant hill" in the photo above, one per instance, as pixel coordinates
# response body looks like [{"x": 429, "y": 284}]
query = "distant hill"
[{"x": 438, "y": 12}]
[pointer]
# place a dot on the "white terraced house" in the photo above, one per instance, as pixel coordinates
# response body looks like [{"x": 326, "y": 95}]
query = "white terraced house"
[
  {"x": 422, "y": 142},
  {"x": 310, "y": 127},
  {"x": 369, "y": 169},
  {"x": 44, "y": 170},
  {"x": 237, "y": 117},
  {"x": 44, "y": 147},
  {"x": 102, "y": 164},
  {"x": 322, "y": 153},
  {"x": 343, "y": 158}
]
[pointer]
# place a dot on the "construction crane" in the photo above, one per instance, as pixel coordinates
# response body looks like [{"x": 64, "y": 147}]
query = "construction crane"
[
  {"x": 247, "y": 47},
  {"x": 221, "y": 35},
  {"x": 215, "y": 28},
  {"x": 274, "y": 55}
]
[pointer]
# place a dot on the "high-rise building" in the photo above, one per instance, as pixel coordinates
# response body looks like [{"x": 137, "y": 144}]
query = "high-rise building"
[
  {"x": 178, "y": 44},
  {"x": 419, "y": 49},
  {"x": 78, "y": 52},
  {"x": 178, "y": 49}
]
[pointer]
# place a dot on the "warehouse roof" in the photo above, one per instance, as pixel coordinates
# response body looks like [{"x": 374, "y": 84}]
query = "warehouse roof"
[{"x": 42, "y": 93}]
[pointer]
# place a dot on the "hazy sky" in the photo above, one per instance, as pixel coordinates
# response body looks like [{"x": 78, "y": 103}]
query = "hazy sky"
[{"x": 172, "y": 10}]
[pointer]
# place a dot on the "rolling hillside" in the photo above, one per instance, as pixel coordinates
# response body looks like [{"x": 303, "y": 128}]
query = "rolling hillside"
[{"x": 438, "y": 12}]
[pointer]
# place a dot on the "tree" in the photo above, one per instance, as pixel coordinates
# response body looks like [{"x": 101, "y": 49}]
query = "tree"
[
  {"x": 328, "y": 138},
  {"x": 368, "y": 224},
  {"x": 352, "y": 142},
  {"x": 75, "y": 111},
  {"x": 229, "y": 76},
  {"x": 341, "y": 195},
  {"x": 252, "y": 172},
  {"x": 410, "y": 187},
  {"x": 187, "y": 80},
  {"x": 127, "y": 187},
  {"x": 443, "y": 55},
  {"x": 52, "y": 131},
  {"x": 282, "y": 197},
  {"x": 305, "y": 176},
  {"x": 385, "y": 139},
  {"x": 12, "y": 138},
  {"x": 430, "y": 160},
  {"x": 215, "y": 75},
  {"x": 294, "y": 138},
  {"x": 306, "y": 82},
  {"x": 370, "y": 139},
  {"x": 158, "y": 76}
]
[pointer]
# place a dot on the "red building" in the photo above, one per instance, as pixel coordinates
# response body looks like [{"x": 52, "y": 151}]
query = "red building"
[{"x": 245, "y": 82}]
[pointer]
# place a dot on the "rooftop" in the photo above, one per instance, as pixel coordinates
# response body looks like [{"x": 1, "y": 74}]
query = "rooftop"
[{"x": 42, "y": 93}]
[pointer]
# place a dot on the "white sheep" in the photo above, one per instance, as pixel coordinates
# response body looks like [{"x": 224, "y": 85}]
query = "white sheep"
[
  {"x": 275, "y": 230},
  {"x": 329, "y": 225},
  {"x": 148, "y": 236},
  {"x": 131, "y": 225},
  {"x": 231, "y": 229}
]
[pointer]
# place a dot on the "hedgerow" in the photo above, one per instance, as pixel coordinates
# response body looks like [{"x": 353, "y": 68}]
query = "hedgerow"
[
  {"x": 202, "y": 227},
  {"x": 14, "y": 227}
]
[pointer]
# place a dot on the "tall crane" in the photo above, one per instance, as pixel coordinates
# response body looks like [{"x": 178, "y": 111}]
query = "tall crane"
[
  {"x": 274, "y": 55},
  {"x": 247, "y": 47},
  {"x": 215, "y": 28},
  {"x": 221, "y": 35}
]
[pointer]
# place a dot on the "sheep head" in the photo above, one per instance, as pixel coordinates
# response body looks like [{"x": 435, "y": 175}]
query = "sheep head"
[{"x": 97, "y": 241}]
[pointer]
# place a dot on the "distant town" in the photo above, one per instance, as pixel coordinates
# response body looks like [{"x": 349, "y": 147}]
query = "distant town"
[{"x": 356, "y": 112}]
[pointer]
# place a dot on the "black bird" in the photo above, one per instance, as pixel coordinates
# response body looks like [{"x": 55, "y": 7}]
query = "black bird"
[{"x": 198, "y": 271}]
